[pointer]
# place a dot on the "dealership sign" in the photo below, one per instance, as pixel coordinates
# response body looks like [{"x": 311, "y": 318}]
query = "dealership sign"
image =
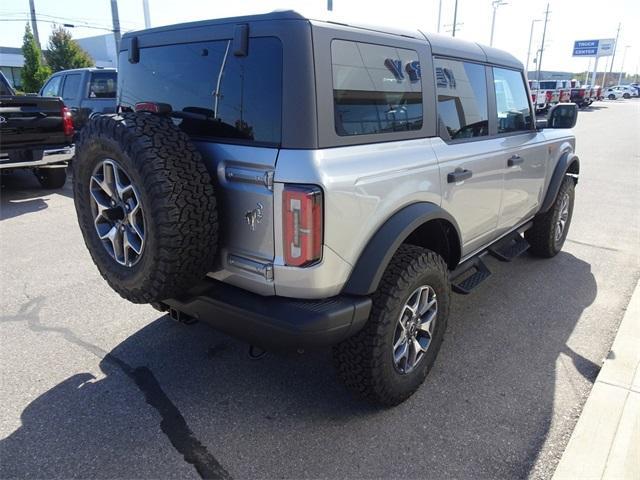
[{"x": 593, "y": 48}]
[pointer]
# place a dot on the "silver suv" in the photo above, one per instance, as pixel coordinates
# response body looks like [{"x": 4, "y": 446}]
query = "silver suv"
[{"x": 299, "y": 183}]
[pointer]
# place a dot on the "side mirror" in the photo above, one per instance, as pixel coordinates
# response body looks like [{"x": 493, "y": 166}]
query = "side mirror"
[{"x": 562, "y": 115}]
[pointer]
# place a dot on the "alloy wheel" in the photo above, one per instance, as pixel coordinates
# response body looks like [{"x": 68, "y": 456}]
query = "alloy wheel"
[{"x": 117, "y": 212}]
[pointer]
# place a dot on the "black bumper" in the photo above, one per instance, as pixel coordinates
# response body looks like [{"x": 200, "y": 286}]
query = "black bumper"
[{"x": 274, "y": 322}]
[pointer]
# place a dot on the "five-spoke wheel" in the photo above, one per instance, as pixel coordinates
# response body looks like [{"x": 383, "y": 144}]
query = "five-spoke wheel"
[
  {"x": 414, "y": 329},
  {"x": 117, "y": 213}
]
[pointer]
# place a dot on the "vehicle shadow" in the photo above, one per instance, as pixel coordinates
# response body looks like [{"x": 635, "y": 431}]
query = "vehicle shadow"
[
  {"x": 483, "y": 412},
  {"x": 20, "y": 193}
]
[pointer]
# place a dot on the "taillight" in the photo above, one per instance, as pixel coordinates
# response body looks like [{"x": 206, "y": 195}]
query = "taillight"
[
  {"x": 67, "y": 122},
  {"x": 581, "y": 93},
  {"x": 549, "y": 95},
  {"x": 302, "y": 224}
]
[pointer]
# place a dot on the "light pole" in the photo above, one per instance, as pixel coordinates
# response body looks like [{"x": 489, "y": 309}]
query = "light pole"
[
  {"x": 439, "y": 14},
  {"x": 530, "y": 40},
  {"x": 495, "y": 4},
  {"x": 624, "y": 54},
  {"x": 613, "y": 57},
  {"x": 455, "y": 18},
  {"x": 330, "y": 5}
]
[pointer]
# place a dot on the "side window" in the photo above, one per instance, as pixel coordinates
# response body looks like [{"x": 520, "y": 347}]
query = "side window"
[
  {"x": 514, "y": 113},
  {"x": 376, "y": 88},
  {"x": 103, "y": 85},
  {"x": 71, "y": 86},
  {"x": 462, "y": 99},
  {"x": 52, "y": 88}
]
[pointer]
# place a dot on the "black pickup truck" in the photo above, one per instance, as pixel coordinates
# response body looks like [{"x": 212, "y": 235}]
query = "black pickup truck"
[{"x": 35, "y": 133}]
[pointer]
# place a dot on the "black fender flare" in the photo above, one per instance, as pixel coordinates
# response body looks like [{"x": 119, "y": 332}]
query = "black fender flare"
[
  {"x": 375, "y": 257},
  {"x": 566, "y": 160}
]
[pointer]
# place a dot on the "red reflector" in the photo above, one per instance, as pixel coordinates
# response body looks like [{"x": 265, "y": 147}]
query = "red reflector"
[
  {"x": 302, "y": 225},
  {"x": 549, "y": 95},
  {"x": 147, "y": 107},
  {"x": 67, "y": 122}
]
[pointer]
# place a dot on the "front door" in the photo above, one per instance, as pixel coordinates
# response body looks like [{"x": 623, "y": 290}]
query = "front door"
[{"x": 523, "y": 153}]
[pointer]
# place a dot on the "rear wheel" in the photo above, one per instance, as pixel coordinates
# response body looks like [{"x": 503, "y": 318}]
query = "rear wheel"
[
  {"x": 626, "y": 95},
  {"x": 51, "y": 178},
  {"x": 549, "y": 230},
  {"x": 391, "y": 356},
  {"x": 611, "y": 96}
]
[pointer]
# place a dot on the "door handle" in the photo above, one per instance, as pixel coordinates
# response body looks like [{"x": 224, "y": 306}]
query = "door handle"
[
  {"x": 515, "y": 160},
  {"x": 459, "y": 175}
]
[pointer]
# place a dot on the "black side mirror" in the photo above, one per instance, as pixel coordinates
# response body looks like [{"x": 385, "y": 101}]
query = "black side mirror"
[{"x": 562, "y": 115}]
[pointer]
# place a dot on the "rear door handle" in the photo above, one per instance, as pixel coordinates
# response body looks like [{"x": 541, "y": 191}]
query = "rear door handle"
[
  {"x": 515, "y": 160},
  {"x": 459, "y": 175}
]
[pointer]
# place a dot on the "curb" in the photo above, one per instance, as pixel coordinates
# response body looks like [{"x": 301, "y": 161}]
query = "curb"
[{"x": 605, "y": 443}]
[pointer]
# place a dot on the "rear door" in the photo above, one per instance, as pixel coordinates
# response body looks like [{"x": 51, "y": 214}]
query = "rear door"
[
  {"x": 523, "y": 154},
  {"x": 471, "y": 167}
]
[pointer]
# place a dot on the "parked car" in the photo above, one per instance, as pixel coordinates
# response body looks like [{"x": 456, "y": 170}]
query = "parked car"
[
  {"x": 85, "y": 91},
  {"x": 299, "y": 183},
  {"x": 612, "y": 93},
  {"x": 627, "y": 90},
  {"x": 541, "y": 99},
  {"x": 559, "y": 90},
  {"x": 580, "y": 95},
  {"x": 35, "y": 134}
]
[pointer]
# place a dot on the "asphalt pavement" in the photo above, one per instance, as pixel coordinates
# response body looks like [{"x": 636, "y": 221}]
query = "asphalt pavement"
[{"x": 92, "y": 386}]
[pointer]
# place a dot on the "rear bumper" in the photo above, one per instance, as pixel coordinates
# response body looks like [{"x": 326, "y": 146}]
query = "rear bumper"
[
  {"x": 274, "y": 322},
  {"x": 49, "y": 156}
]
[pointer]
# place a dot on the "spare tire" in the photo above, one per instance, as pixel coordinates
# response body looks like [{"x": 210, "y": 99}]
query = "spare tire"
[{"x": 145, "y": 204}]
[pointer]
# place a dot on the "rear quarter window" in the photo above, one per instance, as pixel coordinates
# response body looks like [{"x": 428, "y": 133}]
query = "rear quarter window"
[
  {"x": 376, "y": 88},
  {"x": 103, "y": 85},
  {"x": 213, "y": 93}
]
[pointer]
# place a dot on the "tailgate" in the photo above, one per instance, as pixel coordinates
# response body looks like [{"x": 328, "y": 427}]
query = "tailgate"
[{"x": 31, "y": 122}]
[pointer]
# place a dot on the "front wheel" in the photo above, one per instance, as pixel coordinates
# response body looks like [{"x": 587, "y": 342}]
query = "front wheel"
[
  {"x": 549, "y": 230},
  {"x": 611, "y": 97},
  {"x": 391, "y": 356},
  {"x": 51, "y": 178}
]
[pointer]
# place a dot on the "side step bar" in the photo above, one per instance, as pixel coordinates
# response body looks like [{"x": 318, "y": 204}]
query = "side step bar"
[
  {"x": 469, "y": 275},
  {"x": 474, "y": 271},
  {"x": 509, "y": 248}
]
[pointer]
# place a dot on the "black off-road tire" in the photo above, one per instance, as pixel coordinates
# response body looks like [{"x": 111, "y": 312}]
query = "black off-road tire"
[
  {"x": 51, "y": 178},
  {"x": 177, "y": 197},
  {"x": 542, "y": 235},
  {"x": 365, "y": 361}
]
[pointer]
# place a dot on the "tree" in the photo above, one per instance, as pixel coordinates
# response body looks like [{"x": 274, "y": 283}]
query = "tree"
[
  {"x": 34, "y": 72},
  {"x": 64, "y": 52}
]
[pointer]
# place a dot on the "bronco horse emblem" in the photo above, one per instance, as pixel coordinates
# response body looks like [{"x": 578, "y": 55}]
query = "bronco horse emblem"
[{"x": 253, "y": 217}]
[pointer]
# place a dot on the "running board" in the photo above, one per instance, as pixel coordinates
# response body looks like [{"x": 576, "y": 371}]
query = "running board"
[
  {"x": 469, "y": 275},
  {"x": 509, "y": 248}
]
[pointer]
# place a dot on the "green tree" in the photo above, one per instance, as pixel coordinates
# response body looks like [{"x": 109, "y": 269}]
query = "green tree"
[
  {"x": 34, "y": 72},
  {"x": 64, "y": 52}
]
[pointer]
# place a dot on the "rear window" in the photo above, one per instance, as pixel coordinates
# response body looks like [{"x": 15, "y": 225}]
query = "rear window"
[
  {"x": 376, "y": 88},
  {"x": 547, "y": 85},
  {"x": 213, "y": 93},
  {"x": 103, "y": 85}
]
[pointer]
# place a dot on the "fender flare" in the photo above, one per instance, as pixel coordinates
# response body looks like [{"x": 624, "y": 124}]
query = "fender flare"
[
  {"x": 375, "y": 257},
  {"x": 566, "y": 160}
]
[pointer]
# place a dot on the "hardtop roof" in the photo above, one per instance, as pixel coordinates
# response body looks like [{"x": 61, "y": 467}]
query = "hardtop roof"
[{"x": 440, "y": 44}]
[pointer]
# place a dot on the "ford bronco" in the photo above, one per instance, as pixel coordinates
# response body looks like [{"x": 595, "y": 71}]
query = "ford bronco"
[{"x": 299, "y": 183}]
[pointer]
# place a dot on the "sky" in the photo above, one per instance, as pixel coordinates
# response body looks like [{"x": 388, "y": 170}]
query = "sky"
[{"x": 596, "y": 19}]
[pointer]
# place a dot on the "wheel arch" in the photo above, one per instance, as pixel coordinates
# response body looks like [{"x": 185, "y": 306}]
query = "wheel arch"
[
  {"x": 568, "y": 164},
  {"x": 423, "y": 224}
]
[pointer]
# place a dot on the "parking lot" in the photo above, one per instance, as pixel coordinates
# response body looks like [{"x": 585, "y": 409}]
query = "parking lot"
[{"x": 92, "y": 386}]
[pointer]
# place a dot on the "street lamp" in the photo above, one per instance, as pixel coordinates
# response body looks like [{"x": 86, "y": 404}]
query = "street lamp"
[
  {"x": 495, "y": 4},
  {"x": 530, "y": 40},
  {"x": 624, "y": 54}
]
